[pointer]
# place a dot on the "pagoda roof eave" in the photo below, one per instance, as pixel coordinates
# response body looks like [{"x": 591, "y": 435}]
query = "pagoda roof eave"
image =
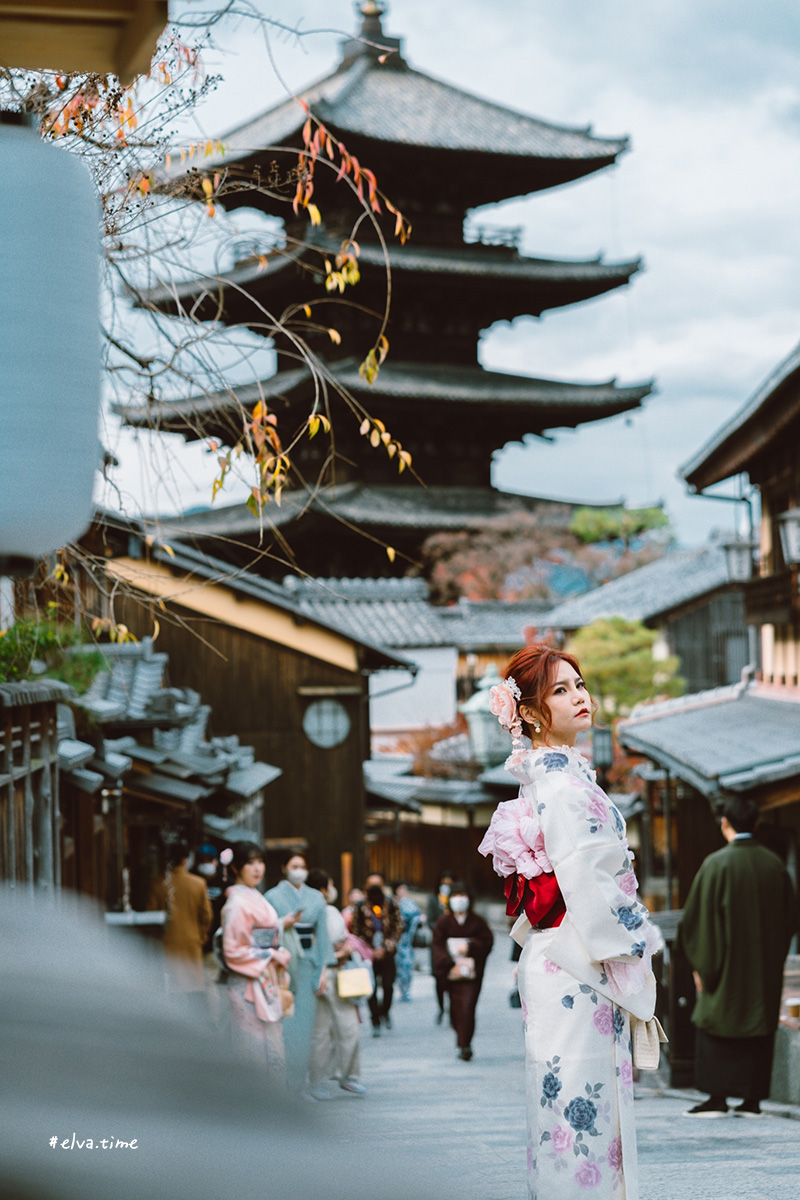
[
  {"x": 400, "y": 107},
  {"x": 406, "y": 506},
  {"x": 481, "y": 263},
  {"x": 558, "y": 404}
]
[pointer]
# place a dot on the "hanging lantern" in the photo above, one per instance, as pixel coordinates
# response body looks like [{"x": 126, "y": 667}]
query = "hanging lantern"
[
  {"x": 739, "y": 559},
  {"x": 489, "y": 742},
  {"x": 789, "y": 525},
  {"x": 49, "y": 345}
]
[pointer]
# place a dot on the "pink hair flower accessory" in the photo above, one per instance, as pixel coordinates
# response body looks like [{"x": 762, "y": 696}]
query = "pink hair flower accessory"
[{"x": 503, "y": 703}]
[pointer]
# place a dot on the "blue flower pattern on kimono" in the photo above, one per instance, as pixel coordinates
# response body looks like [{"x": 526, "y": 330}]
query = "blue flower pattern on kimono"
[
  {"x": 619, "y": 824},
  {"x": 555, "y": 761},
  {"x": 551, "y": 1084},
  {"x": 629, "y": 917}
]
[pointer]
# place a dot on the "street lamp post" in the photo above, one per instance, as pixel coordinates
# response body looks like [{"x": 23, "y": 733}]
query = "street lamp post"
[{"x": 602, "y": 753}]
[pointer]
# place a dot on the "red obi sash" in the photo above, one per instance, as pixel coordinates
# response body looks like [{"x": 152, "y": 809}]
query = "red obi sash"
[{"x": 539, "y": 898}]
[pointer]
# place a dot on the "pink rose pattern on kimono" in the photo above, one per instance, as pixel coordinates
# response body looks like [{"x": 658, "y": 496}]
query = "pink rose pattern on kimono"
[
  {"x": 588, "y": 1175},
  {"x": 551, "y": 968},
  {"x": 628, "y": 884},
  {"x": 614, "y": 1154},
  {"x": 603, "y": 1020},
  {"x": 562, "y": 1139}
]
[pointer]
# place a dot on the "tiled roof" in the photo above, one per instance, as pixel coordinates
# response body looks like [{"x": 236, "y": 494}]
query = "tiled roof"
[
  {"x": 396, "y": 611},
  {"x": 398, "y": 105},
  {"x": 727, "y": 740},
  {"x": 404, "y": 506},
  {"x": 195, "y": 563},
  {"x": 566, "y": 404},
  {"x": 490, "y": 625},
  {"x": 658, "y": 587},
  {"x": 751, "y": 429}
]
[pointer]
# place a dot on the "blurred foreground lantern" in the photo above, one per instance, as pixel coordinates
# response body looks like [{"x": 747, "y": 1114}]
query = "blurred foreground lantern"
[
  {"x": 739, "y": 559},
  {"x": 489, "y": 742},
  {"x": 49, "y": 345},
  {"x": 789, "y": 525}
]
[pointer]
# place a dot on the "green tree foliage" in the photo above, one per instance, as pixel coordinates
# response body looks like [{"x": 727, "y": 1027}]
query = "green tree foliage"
[
  {"x": 616, "y": 657},
  {"x": 616, "y": 524},
  {"x": 39, "y": 646}
]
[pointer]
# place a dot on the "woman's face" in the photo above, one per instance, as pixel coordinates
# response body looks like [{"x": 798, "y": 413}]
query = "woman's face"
[
  {"x": 570, "y": 707},
  {"x": 251, "y": 873}
]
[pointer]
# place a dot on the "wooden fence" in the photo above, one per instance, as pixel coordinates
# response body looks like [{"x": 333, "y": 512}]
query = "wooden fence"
[{"x": 29, "y": 809}]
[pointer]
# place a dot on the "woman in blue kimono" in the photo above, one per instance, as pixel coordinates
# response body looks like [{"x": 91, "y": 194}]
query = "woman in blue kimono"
[
  {"x": 304, "y": 922},
  {"x": 404, "y": 959}
]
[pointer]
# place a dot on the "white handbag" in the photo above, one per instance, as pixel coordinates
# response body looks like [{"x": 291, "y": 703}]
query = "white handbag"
[{"x": 647, "y": 1038}]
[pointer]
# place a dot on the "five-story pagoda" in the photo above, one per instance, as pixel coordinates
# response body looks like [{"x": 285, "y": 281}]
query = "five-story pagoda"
[{"x": 437, "y": 152}]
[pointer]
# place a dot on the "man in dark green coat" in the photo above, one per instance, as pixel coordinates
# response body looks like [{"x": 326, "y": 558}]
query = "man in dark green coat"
[{"x": 738, "y": 922}]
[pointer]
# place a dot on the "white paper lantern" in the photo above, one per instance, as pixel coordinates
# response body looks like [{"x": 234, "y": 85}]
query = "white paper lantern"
[{"x": 49, "y": 346}]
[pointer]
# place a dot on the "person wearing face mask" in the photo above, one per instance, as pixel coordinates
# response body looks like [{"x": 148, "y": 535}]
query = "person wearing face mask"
[
  {"x": 304, "y": 921},
  {"x": 256, "y": 963},
  {"x": 206, "y": 867},
  {"x": 335, "y": 1045},
  {"x": 462, "y": 942},
  {"x": 438, "y": 905}
]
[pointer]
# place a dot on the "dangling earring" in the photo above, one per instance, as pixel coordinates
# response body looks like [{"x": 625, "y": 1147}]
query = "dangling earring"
[{"x": 537, "y": 727}]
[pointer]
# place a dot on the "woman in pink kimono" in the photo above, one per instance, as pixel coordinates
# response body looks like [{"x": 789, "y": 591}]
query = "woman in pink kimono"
[
  {"x": 587, "y": 942},
  {"x": 257, "y": 965}
]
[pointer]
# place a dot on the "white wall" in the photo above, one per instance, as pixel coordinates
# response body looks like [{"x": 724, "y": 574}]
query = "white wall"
[{"x": 430, "y": 700}]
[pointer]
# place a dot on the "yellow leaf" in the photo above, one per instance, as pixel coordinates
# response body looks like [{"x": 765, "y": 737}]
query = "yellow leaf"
[
  {"x": 374, "y": 438},
  {"x": 156, "y": 630},
  {"x": 313, "y": 426},
  {"x": 335, "y": 337},
  {"x": 168, "y": 549},
  {"x": 307, "y": 309},
  {"x": 386, "y": 438},
  {"x": 406, "y": 457},
  {"x": 390, "y": 553},
  {"x": 381, "y": 426},
  {"x": 314, "y": 214},
  {"x": 391, "y": 449},
  {"x": 326, "y": 425},
  {"x": 208, "y": 187},
  {"x": 401, "y": 466},
  {"x": 364, "y": 427}
]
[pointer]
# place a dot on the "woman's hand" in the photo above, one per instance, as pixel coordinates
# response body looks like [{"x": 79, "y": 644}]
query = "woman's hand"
[
  {"x": 281, "y": 957},
  {"x": 698, "y": 983},
  {"x": 292, "y": 919}
]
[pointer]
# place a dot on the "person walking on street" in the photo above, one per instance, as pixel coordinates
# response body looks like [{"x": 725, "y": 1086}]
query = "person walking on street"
[
  {"x": 184, "y": 898},
  {"x": 585, "y": 969},
  {"x": 738, "y": 922},
  {"x": 411, "y": 914},
  {"x": 335, "y": 1045},
  {"x": 305, "y": 926},
  {"x": 462, "y": 942},
  {"x": 378, "y": 923},
  {"x": 438, "y": 905}
]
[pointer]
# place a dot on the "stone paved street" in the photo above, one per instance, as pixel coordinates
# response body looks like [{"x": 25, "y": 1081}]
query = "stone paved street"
[{"x": 472, "y": 1115}]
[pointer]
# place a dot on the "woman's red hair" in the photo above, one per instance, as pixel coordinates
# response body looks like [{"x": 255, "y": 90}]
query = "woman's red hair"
[{"x": 534, "y": 669}]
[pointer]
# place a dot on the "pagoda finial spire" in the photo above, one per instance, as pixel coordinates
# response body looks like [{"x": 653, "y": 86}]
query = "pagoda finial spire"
[{"x": 371, "y": 40}]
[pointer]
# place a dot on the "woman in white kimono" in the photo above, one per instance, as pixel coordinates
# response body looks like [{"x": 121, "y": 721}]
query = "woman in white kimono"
[{"x": 587, "y": 941}]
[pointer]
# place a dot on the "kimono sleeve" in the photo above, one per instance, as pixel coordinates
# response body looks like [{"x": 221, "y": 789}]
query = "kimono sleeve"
[
  {"x": 701, "y": 934},
  {"x": 440, "y": 958},
  {"x": 605, "y": 927},
  {"x": 240, "y": 954}
]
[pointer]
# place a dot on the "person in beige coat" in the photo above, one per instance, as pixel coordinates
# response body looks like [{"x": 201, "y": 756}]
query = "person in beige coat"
[{"x": 184, "y": 898}]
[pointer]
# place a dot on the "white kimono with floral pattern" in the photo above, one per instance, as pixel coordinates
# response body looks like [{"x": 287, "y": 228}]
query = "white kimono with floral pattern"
[{"x": 579, "y": 982}]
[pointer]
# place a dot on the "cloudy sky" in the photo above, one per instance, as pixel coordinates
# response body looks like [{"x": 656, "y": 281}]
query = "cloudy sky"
[{"x": 709, "y": 197}]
